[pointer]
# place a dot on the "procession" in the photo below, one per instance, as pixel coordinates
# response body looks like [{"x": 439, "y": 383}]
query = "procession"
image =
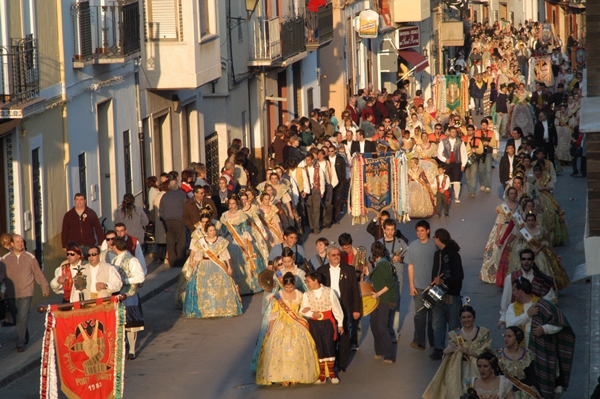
[{"x": 349, "y": 250}]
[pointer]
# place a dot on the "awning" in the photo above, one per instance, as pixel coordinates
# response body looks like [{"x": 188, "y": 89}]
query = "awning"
[{"x": 414, "y": 58}]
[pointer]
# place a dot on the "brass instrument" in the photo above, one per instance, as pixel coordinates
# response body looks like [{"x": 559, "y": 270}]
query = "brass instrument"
[
  {"x": 369, "y": 304},
  {"x": 360, "y": 259}
]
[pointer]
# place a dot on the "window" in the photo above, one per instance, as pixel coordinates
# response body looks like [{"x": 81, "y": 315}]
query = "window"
[
  {"x": 163, "y": 19},
  {"x": 207, "y": 20},
  {"x": 82, "y": 175},
  {"x": 211, "y": 151},
  {"x": 512, "y": 17},
  {"x": 127, "y": 162},
  {"x": 495, "y": 15},
  {"x": 309, "y": 99},
  {"x": 245, "y": 131},
  {"x": 36, "y": 196}
]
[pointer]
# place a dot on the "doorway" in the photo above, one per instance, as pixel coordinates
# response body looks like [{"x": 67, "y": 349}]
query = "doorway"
[
  {"x": 105, "y": 144},
  {"x": 36, "y": 194}
]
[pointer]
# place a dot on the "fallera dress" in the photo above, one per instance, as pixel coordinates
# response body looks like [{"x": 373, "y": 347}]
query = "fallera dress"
[{"x": 288, "y": 352}]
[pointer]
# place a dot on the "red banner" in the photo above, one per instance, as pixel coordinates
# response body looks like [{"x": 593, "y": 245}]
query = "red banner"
[{"x": 90, "y": 350}]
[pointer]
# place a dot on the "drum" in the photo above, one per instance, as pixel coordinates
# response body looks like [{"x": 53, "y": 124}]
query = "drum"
[
  {"x": 433, "y": 294},
  {"x": 369, "y": 303}
]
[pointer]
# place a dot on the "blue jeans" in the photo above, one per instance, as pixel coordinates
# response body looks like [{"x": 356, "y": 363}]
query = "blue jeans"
[
  {"x": 485, "y": 171},
  {"x": 445, "y": 315},
  {"x": 423, "y": 321},
  {"x": 19, "y": 310},
  {"x": 471, "y": 177}
]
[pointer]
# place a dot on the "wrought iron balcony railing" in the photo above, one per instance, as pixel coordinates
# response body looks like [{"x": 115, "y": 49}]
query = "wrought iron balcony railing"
[
  {"x": 106, "y": 34},
  {"x": 292, "y": 36},
  {"x": 266, "y": 45},
  {"x": 319, "y": 27},
  {"x": 19, "y": 71}
]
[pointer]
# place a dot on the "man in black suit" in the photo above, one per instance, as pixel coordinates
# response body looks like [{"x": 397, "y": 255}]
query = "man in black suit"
[
  {"x": 342, "y": 279},
  {"x": 516, "y": 140},
  {"x": 544, "y": 135},
  {"x": 508, "y": 164},
  {"x": 339, "y": 165},
  {"x": 361, "y": 145}
]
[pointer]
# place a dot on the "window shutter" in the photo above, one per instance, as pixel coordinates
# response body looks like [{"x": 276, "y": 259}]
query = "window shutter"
[
  {"x": 163, "y": 17},
  {"x": 204, "y": 18}
]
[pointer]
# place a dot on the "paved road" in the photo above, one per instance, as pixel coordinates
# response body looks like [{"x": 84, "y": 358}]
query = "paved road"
[{"x": 183, "y": 358}]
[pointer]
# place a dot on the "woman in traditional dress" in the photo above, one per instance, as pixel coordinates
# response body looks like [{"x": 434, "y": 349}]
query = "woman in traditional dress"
[
  {"x": 493, "y": 248},
  {"x": 246, "y": 261},
  {"x": 269, "y": 213},
  {"x": 526, "y": 166},
  {"x": 281, "y": 192},
  {"x": 433, "y": 113},
  {"x": 563, "y": 131},
  {"x": 490, "y": 385},
  {"x": 421, "y": 199},
  {"x": 288, "y": 354},
  {"x": 573, "y": 108},
  {"x": 516, "y": 363},
  {"x": 534, "y": 237},
  {"x": 426, "y": 153},
  {"x": 521, "y": 114},
  {"x": 459, "y": 364},
  {"x": 553, "y": 218},
  {"x": 413, "y": 122},
  {"x": 288, "y": 266},
  {"x": 425, "y": 119},
  {"x": 210, "y": 291},
  {"x": 259, "y": 231}
]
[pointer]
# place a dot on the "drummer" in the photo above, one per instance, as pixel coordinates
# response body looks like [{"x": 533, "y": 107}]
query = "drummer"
[
  {"x": 384, "y": 284},
  {"x": 395, "y": 249}
]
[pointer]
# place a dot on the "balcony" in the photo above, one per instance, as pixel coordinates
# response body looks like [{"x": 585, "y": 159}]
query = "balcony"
[
  {"x": 108, "y": 34},
  {"x": 19, "y": 77},
  {"x": 319, "y": 26},
  {"x": 266, "y": 47},
  {"x": 292, "y": 37}
]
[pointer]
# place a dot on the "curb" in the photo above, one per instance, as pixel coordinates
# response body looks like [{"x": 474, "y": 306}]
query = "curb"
[
  {"x": 594, "y": 334},
  {"x": 15, "y": 375}
]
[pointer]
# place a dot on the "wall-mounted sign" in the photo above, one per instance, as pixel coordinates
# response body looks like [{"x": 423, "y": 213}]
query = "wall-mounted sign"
[
  {"x": 409, "y": 36},
  {"x": 367, "y": 24}
]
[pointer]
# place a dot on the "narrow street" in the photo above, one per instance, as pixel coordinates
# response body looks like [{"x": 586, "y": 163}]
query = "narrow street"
[{"x": 184, "y": 358}]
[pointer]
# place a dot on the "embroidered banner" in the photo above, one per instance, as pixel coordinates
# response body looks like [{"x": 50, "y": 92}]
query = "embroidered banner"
[
  {"x": 377, "y": 174},
  {"x": 453, "y": 92},
  {"x": 542, "y": 69},
  {"x": 90, "y": 348}
]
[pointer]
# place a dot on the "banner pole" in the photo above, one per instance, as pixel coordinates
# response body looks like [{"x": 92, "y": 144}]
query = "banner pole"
[{"x": 69, "y": 306}]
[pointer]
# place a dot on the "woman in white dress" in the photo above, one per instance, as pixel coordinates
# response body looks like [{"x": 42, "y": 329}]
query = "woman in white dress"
[{"x": 490, "y": 385}]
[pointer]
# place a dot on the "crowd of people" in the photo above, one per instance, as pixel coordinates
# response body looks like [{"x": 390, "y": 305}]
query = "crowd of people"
[{"x": 238, "y": 236}]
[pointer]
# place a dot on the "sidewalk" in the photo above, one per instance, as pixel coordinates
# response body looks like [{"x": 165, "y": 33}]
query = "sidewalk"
[{"x": 15, "y": 365}]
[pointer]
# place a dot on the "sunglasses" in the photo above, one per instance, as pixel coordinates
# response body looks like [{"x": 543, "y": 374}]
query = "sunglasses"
[
  {"x": 280, "y": 264},
  {"x": 526, "y": 258},
  {"x": 110, "y": 239},
  {"x": 71, "y": 254},
  {"x": 96, "y": 254}
]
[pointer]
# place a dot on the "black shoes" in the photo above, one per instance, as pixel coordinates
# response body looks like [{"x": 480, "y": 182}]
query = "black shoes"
[
  {"x": 131, "y": 356},
  {"x": 437, "y": 354}
]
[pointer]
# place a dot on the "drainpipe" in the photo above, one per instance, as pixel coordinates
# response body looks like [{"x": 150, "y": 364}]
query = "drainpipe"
[
  {"x": 63, "y": 91},
  {"x": 136, "y": 66}
]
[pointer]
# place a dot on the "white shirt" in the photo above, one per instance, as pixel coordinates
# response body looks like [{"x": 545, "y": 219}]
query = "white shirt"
[
  {"x": 139, "y": 255},
  {"x": 463, "y": 151},
  {"x": 446, "y": 185},
  {"x": 507, "y": 293},
  {"x": 510, "y": 166},
  {"x": 524, "y": 320},
  {"x": 114, "y": 282},
  {"x": 137, "y": 275},
  {"x": 310, "y": 171},
  {"x": 334, "y": 272},
  {"x": 335, "y": 180},
  {"x": 545, "y": 124},
  {"x": 336, "y": 308}
]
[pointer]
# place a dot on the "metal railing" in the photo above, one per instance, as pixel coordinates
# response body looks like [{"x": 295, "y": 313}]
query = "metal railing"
[
  {"x": 19, "y": 71},
  {"x": 105, "y": 33},
  {"x": 292, "y": 36},
  {"x": 319, "y": 25},
  {"x": 266, "y": 44}
]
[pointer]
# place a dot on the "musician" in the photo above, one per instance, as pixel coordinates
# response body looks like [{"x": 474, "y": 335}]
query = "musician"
[
  {"x": 447, "y": 273},
  {"x": 326, "y": 320},
  {"x": 383, "y": 281},
  {"x": 339, "y": 277},
  {"x": 395, "y": 249}
]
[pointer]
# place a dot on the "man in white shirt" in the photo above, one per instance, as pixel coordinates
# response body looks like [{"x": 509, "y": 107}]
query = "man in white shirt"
[
  {"x": 321, "y": 306},
  {"x": 542, "y": 284},
  {"x": 101, "y": 278},
  {"x": 338, "y": 168},
  {"x": 133, "y": 245},
  {"x": 132, "y": 275},
  {"x": 331, "y": 180},
  {"x": 453, "y": 153},
  {"x": 314, "y": 191}
]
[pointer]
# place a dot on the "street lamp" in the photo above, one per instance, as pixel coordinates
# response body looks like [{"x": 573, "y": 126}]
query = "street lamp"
[{"x": 250, "y": 7}]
